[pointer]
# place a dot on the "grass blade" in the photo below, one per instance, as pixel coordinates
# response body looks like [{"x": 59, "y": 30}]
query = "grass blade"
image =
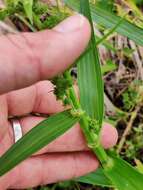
[
  {"x": 123, "y": 175},
  {"x": 28, "y": 7},
  {"x": 109, "y": 20},
  {"x": 89, "y": 76},
  {"x": 96, "y": 178},
  {"x": 41, "y": 135}
]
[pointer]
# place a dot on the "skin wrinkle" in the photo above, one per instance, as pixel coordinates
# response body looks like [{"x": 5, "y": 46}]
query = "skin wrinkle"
[
  {"x": 3, "y": 116},
  {"x": 68, "y": 164},
  {"x": 27, "y": 50},
  {"x": 3, "y": 181},
  {"x": 2, "y": 146},
  {"x": 45, "y": 177},
  {"x": 29, "y": 66},
  {"x": 3, "y": 78},
  {"x": 35, "y": 97},
  {"x": 16, "y": 173},
  {"x": 75, "y": 167},
  {"x": 14, "y": 97},
  {"x": 15, "y": 78},
  {"x": 49, "y": 56},
  {"x": 22, "y": 168},
  {"x": 25, "y": 53},
  {"x": 8, "y": 97},
  {"x": 41, "y": 99},
  {"x": 8, "y": 37},
  {"x": 38, "y": 99},
  {"x": 6, "y": 142},
  {"x": 21, "y": 42},
  {"x": 42, "y": 179},
  {"x": 37, "y": 170},
  {"x": 36, "y": 59},
  {"x": 49, "y": 44},
  {"x": 52, "y": 44}
]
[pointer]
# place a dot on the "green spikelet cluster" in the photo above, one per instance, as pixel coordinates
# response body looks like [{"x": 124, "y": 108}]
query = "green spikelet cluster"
[{"x": 61, "y": 85}]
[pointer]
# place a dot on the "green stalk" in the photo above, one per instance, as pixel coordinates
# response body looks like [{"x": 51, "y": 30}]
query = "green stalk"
[
  {"x": 93, "y": 140},
  {"x": 25, "y": 22},
  {"x": 71, "y": 92}
]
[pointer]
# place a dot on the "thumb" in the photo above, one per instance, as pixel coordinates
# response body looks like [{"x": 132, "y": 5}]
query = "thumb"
[{"x": 30, "y": 57}]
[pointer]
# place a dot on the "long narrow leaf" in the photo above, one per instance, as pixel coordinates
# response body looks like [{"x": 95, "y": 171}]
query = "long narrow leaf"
[
  {"x": 89, "y": 75},
  {"x": 123, "y": 175},
  {"x": 109, "y": 20},
  {"x": 96, "y": 178},
  {"x": 38, "y": 137},
  {"x": 28, "y": 4}
]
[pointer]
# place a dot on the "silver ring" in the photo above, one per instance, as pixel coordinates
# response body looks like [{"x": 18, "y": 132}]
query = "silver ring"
[{"x": 17, "y": 129}]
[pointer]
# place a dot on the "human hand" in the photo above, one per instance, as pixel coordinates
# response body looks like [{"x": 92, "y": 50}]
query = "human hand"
[{"x": 26, "y": 59}]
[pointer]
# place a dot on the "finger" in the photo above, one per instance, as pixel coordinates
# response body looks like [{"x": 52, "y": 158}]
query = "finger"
[
  {"x": 48, "y": 169},
  {"x": 72, "y": 140},
  {"x": 38, "y": 98},
  {"x": 3, "y": 116},
  {"x": 38, "y": 56},
  {"x": 109, "y": 136}
]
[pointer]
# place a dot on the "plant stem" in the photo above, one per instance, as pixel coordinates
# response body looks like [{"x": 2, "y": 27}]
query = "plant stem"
[
  {"x": 58, "y": 4},
  {"x": 71, "y": 92},
  {"x": 92, "y": 139},
  {"x": 25, "y": 22},
  {"x": 128, "y": 129}
]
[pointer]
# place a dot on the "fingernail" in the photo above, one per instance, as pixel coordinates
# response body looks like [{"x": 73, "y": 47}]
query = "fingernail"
[{"x": 70, "y": 24}]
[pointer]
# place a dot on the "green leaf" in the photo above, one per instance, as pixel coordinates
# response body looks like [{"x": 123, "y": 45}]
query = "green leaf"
[
  {"x": 96, "y": 178},
  {"x": 11, "y": 2},
  {"x": 41, "y": 135},
  {"x": 110, "y": 32},
  {"x": 123, "y": 175},
  {"x": 108, "y": 67},
  {"x": 3, "y": 14},
  {"x": 28, "y": 7},
  {"x": 139, "y": 165},
  {"x": 109, "y": 20},
  {"x": 90, "y": 77},
  {"x": 108, "y": 5}
]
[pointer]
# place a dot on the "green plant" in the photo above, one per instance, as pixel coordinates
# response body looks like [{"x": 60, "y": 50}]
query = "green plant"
[
  {"x": 89, "y": 111},
  {"x": 130, "y": 98}
]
